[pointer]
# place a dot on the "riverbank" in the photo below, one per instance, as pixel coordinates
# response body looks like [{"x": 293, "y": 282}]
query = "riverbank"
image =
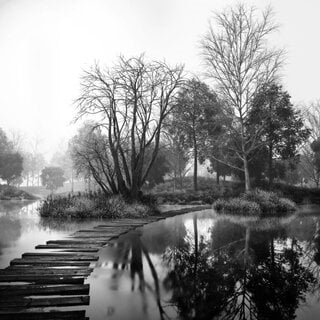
[
  {"x": 14, "y": 193},
  {"x": 209, "y": 191}
]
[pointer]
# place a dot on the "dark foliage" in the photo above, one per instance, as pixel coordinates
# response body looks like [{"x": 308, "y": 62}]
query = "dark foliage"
[
  {"x": 11, "y": 166},
  {"x": 93, "y": 205},
  {"x": 52, "y": 178},
  {"x": 282, "y": 126}
]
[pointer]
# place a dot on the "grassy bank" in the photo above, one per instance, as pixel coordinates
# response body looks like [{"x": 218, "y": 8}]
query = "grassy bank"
[
  {"x": 208, "y": 192},
  {"x": 93, "y": 205},
  {"x": 13, "y": 193},
  {"x": 256, "y": 203},
  {"x": 301, "y": 195}
]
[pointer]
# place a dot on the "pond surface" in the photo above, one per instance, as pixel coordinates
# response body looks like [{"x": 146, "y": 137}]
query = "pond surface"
[
  {"x": 193, "y": 266},
  {"x": 21, "y": 229},
  {"x": 204, "y": 266}
]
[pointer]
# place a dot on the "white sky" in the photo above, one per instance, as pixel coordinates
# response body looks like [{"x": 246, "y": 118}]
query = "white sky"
[{"x": 45, "y": 45}]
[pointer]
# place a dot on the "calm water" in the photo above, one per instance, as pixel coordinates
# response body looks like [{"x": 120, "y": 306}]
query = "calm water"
[
  {"x": 21, "y": 229},
  {"x": 194, "y": 266}
]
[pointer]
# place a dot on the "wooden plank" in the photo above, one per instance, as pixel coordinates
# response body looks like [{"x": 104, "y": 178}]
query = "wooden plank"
[
  {"x": 98, "y": 236},
  {"x": 72, "y": 247},
  {"x": 77, "y": 241},
  {"x": 46, "y": 271},
  {"x": 42, "y": 279},
  {"x": 124, "y": 223},
  {"x": 59, "y": 256},
  {"x": 104, "y": 230},
  {"x": 52, "y": 315},
  {"x": 45, "y": 262},
  {"x": 114, "y": 227},
  {"x": 25, "y": 290},
  {"x": 79, "y": 250},
  {"x": 20, "y": 303},
  {"x": 35, "y": 268}
]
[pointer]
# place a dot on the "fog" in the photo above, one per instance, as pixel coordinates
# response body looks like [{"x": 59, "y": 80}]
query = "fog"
[{"x": 45, "y": 45}]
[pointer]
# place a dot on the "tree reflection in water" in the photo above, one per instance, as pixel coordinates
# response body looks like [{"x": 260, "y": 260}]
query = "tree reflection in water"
[
  {"x": 132, "y": 253},
  {"x": 243, "y": 272}
]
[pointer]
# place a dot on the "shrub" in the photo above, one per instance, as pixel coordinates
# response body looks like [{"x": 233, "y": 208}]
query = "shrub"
[
  {"x": 237, "y": 206},
  {"x": 92, "y": 205},
  {"x": 256, "y": 202},
  {"x": 286, "y": 205}
]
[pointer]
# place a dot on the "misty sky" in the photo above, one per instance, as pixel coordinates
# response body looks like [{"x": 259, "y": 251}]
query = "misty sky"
[{"x": 45, "y": 45}]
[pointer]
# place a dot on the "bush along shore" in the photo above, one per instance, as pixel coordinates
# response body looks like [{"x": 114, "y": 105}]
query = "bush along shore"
[
  {"x": 95, "y": 205},
  {"x": 256, "y": 203},
  {"x": 13, "y": 193}
]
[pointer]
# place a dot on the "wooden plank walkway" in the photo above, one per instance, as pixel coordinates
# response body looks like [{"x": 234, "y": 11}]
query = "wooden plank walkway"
[{"x": 55, "y": 279}]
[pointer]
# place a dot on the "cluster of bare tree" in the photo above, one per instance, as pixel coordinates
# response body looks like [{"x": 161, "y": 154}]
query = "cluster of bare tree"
[
  {"x": 129, "y": 104},
  {"x": 139, "y": 108}
]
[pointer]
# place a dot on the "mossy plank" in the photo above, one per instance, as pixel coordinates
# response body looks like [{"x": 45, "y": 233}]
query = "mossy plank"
[
  {"x": 59, "y": 256},
  {"x": 43, "y": 279},
  {"x": 77, "y": 242},
  {"x": 21, "y": 303},
  {"x": 46, "y": 271},
  {"x": 48, "y": 262},
  {"x": 52, "y": 315},
  {"x": 25, "y": 290},
  {"x": 69, "y": 248}
]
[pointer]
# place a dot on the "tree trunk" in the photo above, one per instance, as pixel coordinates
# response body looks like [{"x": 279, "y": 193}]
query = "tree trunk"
[
  {"x": 246, "y": 174},
  {"x": 134, "y": 192},
  {"x": 270, "y": 171},
  {"x": 72, "y": 181},
  {"x": 180, "y": 179},
  {"x": 195, "y": 167},
  {"x": 218, "y": 172}
]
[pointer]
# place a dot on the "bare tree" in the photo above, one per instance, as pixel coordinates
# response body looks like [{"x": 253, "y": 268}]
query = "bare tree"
[
  {"x": 130, "y": 103},
  {"x": 310, "y": 159},
  {"x": 312, "y": 119},
  {"x": 309, "y": 165},
  {"x": 17, "y": 140},
  {"x": 239, "y": 62},
  {"x": 91, "y": 157},
  {"x": 178, "y": 158}
]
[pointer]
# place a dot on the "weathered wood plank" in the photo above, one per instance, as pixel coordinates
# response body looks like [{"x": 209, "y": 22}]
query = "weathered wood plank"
[
  {"x": 113, "y": 227},
  {"x": 13, "y": 302},
  {"x": 43, "y": 279},
  {"x": 59, "y": 256},
  {"x": 79, "y": 250},
  {"x": 77, "y": 241},
  {"x": 68, "y": 248},
  {"x": 45, "y": 262},
  {"x": 123, "y": 223},
  {"x": 52, "y": 315},
  {"x": 104, "y": 230},
  {"x": 98, "y": 236},
  {"x": 46, "y": 271},
  {"x": 20, "y": 290},
  {"x": 51, "y": 267}
]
